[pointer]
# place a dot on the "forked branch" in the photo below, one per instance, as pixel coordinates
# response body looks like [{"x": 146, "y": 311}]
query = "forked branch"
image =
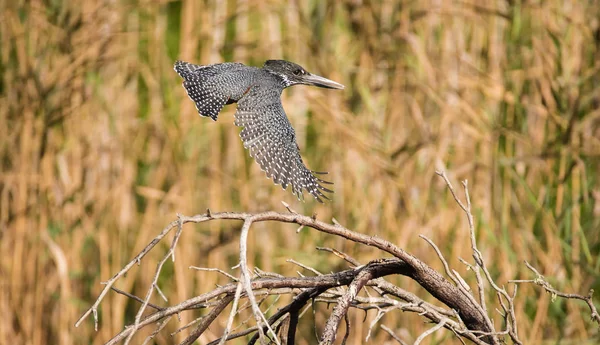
[{"x": 467, "y": 316}]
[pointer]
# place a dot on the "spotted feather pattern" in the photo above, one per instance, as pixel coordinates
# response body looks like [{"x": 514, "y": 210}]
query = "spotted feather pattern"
[
  {"x": 205, "y": 85},
  {"x": 267, "y": 133},
  {"x": 271, "y": 140}
]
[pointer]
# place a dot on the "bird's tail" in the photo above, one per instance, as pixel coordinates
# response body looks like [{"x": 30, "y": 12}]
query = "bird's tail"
[
  {"x": 188, "y": 70},
  {"x": 197, "y": 83}
]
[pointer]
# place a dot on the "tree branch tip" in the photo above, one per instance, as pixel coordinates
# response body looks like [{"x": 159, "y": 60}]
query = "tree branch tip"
[
  {"x": 162, "y": 295},
  {"x": 335, "y": 221},
  {"x": 287, "y": 206},
  {"x": 95, "y": 312},
  {"x": 469, "y": 266}
]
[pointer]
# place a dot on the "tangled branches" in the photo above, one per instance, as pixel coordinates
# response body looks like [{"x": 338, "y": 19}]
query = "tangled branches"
[{"x": 467, "y": 315}]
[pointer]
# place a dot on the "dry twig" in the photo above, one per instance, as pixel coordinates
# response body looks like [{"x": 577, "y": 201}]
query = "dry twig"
[{"x": 466, "y": 317}]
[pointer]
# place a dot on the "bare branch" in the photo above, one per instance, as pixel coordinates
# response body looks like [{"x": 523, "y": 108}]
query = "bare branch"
[
  {"x": 154, "y": 284},
  {"x": 541, "y": 281},
  {"x": 340, "y": 254},
  {"x": 134, "y": 297},
  {"x": 236, "y": 299},
  {"x": 449, "y": 273},
  {"x": 466, "y": 316},
  {"x": 207, "y": 320},
  {"x": 109, "y": 283},
  {"x": 341, "y": 308},
  {"x": 392, "y": 334},
  {"x": 430, "y": 331},
  {"x": 304, "y": 266},
  {"x": 161, "y": 325},
  {"x": 479, "y": 261},
  {"x": 232, "y": 278},
  {"x": 246, "y": 282}
]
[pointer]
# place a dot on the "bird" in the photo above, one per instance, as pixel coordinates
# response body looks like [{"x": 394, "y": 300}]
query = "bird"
[{"x": 267, "y": 132}]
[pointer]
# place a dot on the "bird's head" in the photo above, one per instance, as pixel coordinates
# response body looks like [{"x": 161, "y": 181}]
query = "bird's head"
[{"x": 293, "y": 74}]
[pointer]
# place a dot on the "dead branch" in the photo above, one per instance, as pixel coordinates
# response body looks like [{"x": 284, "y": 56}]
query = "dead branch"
[
  {"x": 541, "y": 281},
  {"x": 467, "y": 316},
  {"x": 362, "y": 278}
]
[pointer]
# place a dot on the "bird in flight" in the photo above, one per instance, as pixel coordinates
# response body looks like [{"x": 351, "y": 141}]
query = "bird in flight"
[{"x": 267, "y": 133}]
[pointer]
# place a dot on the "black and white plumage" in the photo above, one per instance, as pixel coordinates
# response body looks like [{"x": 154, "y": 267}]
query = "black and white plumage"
[{"x": 267, "y": 132}]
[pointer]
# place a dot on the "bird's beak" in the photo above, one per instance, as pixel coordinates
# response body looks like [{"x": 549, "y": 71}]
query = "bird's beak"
[{"x": 313, "y": 79}]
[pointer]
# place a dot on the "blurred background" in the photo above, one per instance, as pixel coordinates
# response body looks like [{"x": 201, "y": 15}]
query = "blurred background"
[{"x": 100, "y": 148}]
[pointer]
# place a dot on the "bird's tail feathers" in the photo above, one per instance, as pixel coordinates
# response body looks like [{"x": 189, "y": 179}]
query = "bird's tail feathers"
[{"x": 208, "y": 99}]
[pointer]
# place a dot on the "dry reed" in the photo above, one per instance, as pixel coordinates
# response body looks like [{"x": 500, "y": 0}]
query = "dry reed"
[{"x": 100, "y": 147}]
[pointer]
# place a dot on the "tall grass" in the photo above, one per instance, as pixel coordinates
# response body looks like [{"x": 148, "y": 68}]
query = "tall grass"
[{"x": 100, "y": 148}]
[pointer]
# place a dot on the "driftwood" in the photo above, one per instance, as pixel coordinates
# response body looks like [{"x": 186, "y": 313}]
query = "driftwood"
[{"x": 467, "y": 315}]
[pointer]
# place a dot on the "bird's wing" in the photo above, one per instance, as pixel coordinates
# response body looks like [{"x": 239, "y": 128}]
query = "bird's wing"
[
  {"x": 271, "y": 140},
  {"x": 206, "y": 86}
]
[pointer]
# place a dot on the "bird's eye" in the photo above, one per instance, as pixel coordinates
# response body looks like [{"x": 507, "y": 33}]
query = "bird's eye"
[{"x": 298, "y": 72}]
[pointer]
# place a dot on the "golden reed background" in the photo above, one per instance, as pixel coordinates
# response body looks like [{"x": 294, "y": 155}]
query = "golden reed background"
[{"x": 100, "y": 148}]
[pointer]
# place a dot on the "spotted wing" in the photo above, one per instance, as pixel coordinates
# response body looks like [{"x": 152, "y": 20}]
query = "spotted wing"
[
  {"x": 271, "y": 140},
  {"x": 208, "y": 86}
]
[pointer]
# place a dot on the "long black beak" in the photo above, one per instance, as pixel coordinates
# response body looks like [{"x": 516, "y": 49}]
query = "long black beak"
[{"x": 313, "y": 79}]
